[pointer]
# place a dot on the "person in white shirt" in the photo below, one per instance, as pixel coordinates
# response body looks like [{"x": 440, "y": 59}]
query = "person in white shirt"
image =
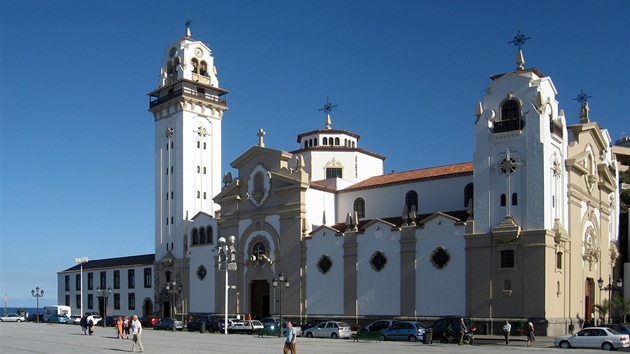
[
  {"x": 507, "y": 327},
  {"x": 136, "y": 330}
]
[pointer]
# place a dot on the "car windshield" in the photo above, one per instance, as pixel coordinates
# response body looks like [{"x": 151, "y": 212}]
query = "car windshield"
[{"x": 343, "y": 324}]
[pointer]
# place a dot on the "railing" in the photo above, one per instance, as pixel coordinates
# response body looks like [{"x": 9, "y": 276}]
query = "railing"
[
  {"x": 508, "y": 125},
  {"x": 208, "y": 95}
]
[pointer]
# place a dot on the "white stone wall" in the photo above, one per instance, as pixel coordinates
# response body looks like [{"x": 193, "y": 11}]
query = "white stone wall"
[{"x": 324, "y": 292}]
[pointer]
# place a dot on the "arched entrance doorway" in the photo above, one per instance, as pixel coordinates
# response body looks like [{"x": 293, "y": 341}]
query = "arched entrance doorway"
[
  {"x": 147, "y": 307},
  {"x": 589, "y": 297},
  {"x": 259, "y": 299}
]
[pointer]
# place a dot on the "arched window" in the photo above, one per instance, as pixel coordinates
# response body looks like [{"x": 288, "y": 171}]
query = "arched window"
[
  {"x": 210, "y": 236},
  {"x": 195, "y": 65},
  {"x": 202, "y": 236},
  {"x": 195, "y": 237},
  {"x": 510, "y": 110},
  {"x": 411, "y": 199},
  {"x": 325, "y": 141},
  {"x": 204, "y": 68},
  {"x": 337, "y": 141},
  {"x": 503, "y": 200},
  {"x": 359, "y": 207},
  {"x": 514, "y": 199},
  {"x": 468, "y": 194}
]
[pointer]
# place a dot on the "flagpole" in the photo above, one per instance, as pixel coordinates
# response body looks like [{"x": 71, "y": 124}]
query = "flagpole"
[{"x": 5, "y": 304}]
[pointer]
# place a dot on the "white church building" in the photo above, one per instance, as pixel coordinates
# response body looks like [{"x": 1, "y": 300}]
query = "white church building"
[{"x": 521, "y": 232}]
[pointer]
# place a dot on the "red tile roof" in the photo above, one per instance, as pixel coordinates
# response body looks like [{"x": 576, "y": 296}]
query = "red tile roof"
[{"x": 439, "y": 172}]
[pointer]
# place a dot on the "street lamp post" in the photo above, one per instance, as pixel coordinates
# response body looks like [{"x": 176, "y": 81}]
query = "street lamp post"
[
  {"x": 173, "y": 288},
  {"x": 37, "y": 294},
  {"x": 105, "y": 294},
  {"x": 227, "y": 261},
  {"x": 610, "y": 288},
  {"x": 81, "y": 261},
  {"x": 281, "y": 283}
]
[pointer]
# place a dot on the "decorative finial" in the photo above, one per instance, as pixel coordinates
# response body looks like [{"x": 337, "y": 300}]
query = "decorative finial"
[
  {"x": 519, "y": 41},
  {"x": 187, "y": 24},
  {"x": 261, "y": 134},
  {"x": 327, "y": 109},
  {"x": 583, "y": 98}
]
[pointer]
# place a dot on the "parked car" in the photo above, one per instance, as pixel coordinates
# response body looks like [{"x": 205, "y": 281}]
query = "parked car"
[
  {"x": 168, "y": 323},
  {"x": 248, "y": 327},
  {"x": 148, "y": 321},
  {"x": 330, "y": 329},
  {"x": 298, "y": 330},
  {"x": 57, "y": 318},
  {"x": 33, "y": 317},
  {"x": 619, "y": 327},
  {"x": 96, "y": 319},
  {"x": 271, "y": 322},
  {"x": 74, "y": 319},
  {"x": 12, "y": 317},
  {"x": 376, "y": 326},
  {"x": 404, "y": 330},
  {"x": 313, "y": 323},
  {"x": 441, "y": 326},
  {"x": 594, "y": 337},
  {"x": 213, "y": 323},
  {"x": 110, "y": 321}
]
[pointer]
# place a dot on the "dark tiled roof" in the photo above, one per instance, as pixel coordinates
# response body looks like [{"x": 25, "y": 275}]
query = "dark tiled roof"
[
  {"x": 460, "y": 215},
  {"x": 130, "y": 261},
  {"x": 338, "y": 148},
  {"x": 439, "y": 172}
]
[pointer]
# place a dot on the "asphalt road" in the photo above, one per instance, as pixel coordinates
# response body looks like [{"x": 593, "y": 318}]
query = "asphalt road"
[{"x": 62, "y": 338}]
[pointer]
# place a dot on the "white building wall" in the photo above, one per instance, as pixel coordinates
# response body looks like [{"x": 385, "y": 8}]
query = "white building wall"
[
  {"x": 324, "y": 292},
  {"x": 378, "y": 292},
  {"x": 317, "y": 203},
  {"x": 433, "y": 196},
  {"x": 450, "y": 280}
]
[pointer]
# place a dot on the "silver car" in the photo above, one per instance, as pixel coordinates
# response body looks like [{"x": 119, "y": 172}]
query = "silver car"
[
  {"x": 331, "y": 329},
  {"x": 594, "y": 337}
]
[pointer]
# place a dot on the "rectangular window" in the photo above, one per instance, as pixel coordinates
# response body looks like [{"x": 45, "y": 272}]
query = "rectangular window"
[
  {"x": 103, "y": 282},
  {"x": 132, "y": 301},
  {"x": 507, "y": 259},
  {"x": 116, "y": 301},
  {"x": 147, "y": 278},
  {"x": 116, "y": 279},
  {"x": 78, "y": 301},
  {"x": 131, "y": 279},
  {"x": 559, "y": 260},
  {"x": 67, "y": 300},
  {"x": 77, "y": 282},
  {"x": 90, "y": 281},
  {"x": 90, "y": 303},
  {"x": 334, "y": 172},
  {"x": 67, "y": 281}
]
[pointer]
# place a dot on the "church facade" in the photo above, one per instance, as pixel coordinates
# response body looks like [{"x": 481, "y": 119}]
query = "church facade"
[{"x": 524, "y": 231}]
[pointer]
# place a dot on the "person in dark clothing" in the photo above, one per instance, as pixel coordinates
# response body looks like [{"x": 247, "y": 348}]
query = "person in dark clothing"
[
  {"x": 84, "y": 324},
  {"x": 462, "y": 331}
]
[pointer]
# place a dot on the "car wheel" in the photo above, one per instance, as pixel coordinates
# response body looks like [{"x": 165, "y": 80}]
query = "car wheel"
[
  {"x": 211, "y": 329},
  {"x": 19, "y": 321},
  {"x": 155, "y": 327},
  {"x": 607, "y": 346},
  {"x": 565, "y": 345},
  {"x": 309, "y": 335},
  {"x": 413, "y": 339},
  {"x": 190, "y": 329},
  {"x": 334, "y": 336},
  {"x": 250, "y": 332},
  {"x": 167, "y": 328},
  {"x": 383, "y": 338}
]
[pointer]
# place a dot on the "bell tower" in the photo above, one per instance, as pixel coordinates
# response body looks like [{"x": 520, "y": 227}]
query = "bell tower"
[
  {"x": 187, "y": 108},
  {"x": 520, "y": 147}
]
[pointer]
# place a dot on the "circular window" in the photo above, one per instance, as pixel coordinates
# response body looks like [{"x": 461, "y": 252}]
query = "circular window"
[{"x": 378, "y": 261}]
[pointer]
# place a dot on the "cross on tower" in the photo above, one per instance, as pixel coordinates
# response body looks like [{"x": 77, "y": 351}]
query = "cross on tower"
[
  {"x": 519, "y": 40},
  {"x": 508, "y": 165},
  {"x": 261, "y": 134},
  {"x": 328, "y": 106}
]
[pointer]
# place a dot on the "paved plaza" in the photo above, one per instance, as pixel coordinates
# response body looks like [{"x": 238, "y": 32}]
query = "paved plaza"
[{"x": 61, "y": 338}]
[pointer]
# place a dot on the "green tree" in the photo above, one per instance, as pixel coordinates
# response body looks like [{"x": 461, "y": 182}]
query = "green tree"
[
  {"x": 602, "y": 309},
  {"x": 622, "y": 305}
]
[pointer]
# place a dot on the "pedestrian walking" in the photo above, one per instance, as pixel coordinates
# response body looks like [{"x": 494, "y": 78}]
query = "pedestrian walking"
[
  {"x": 119, "y": 328},
  {"x": 84, "y": 324},
  {"x": 136, "y": 331},
  {"x": 291, "y": 335},
  {"x": 462, "y": 331},
  {"x": 507, "y": 327},
  {"x": 530, "y": 334}
]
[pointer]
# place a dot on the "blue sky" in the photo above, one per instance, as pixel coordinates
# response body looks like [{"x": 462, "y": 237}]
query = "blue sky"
[{"x": 77, "y": 176}]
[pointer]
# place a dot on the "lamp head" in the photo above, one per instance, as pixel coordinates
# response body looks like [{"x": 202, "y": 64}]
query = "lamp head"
[
  {"x": 221, "y": 240},
  {"x": 600, "y": 282},
  {"x": 232, "y": 239}
]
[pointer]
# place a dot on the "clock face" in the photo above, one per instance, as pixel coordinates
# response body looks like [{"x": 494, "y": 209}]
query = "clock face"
[
  {"x": 173, "y": 52},
  {"x": 199, "y": 52}
]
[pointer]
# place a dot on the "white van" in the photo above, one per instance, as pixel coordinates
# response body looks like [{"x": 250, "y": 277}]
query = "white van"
[{"x": 56, "y": 310}]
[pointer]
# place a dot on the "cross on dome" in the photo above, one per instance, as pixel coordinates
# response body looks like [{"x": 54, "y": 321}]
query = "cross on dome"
[
  {"x": 327, "y": 109},
  {"x": 261, "y": 134}
]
